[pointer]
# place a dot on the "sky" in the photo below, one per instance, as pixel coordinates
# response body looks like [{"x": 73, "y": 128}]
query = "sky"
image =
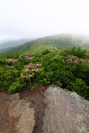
[{"x": 39, "y": 18}]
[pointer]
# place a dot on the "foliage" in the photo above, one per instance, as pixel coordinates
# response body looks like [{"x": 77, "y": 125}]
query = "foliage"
[
  {"x": 45, "y": 52},
  {"x": 64, "y": 69},
  {"x": 16, "y": 86},
  {"x": 80, "y": 87},
  {"x": 74, "y": 51}
]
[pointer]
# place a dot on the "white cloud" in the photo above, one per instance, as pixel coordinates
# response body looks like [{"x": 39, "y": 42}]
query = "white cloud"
[{"x": 35, "y": 18}]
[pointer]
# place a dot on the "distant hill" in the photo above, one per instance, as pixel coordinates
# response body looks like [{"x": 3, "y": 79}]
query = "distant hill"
[
  {"x": 10, "y": 44},
  {"x": 4, "y": 41},
  {"x": 55, "y": 42}
]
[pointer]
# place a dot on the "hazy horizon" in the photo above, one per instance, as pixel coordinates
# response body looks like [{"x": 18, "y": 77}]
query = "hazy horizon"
[{"x": 39, "y": 18}]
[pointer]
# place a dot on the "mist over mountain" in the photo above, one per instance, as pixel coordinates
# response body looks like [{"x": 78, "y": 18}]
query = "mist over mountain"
[
  {"x": 80, "y": 40},
  {"x": 4, "y": 41},
  {"x": 9, "y": 44},
  {"x": 14, "y": 42},
  {"x": 59, "y": 41}
]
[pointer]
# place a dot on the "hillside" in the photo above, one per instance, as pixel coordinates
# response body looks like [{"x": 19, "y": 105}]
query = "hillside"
[
  {"x": 54, "y": 43},
  {"x": 68, "y": 69},
  {"x": 6, "y": 45},
  {"x": 44, "y": 62}
]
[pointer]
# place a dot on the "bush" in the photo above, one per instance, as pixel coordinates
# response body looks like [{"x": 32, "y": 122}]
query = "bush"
[
  {"x": 45, "y": 52},
  {"x": 74, "y": 51},
  {"x": 44, "y": 69},
  {"x": 80, "y": 87},
  {"x": 16, "y": 86},
  {"x": 81, "y": 71}
]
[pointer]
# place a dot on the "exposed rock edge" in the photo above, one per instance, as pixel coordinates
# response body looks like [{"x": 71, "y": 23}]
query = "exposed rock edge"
[
  {"x": 55, "y": 110},
  {"x": 66, "y": 112}
]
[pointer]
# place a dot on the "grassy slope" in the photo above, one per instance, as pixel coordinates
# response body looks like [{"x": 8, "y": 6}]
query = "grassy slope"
[
  {"x": 53, "y": 43},
  {"x": 12, "y": 44}
]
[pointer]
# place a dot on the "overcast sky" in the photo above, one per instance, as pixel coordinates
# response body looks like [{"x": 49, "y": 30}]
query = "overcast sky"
[{"x": 38, "y": 18}]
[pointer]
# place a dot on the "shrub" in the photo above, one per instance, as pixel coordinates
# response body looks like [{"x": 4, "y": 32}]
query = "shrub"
[
  {"x": 45, "y": 52},
  {"x": 46, "y": 68},
  {"x": 16, "y": 86},
  {"x": 80, "y": 87},
  {"x": 74, "y": 51},
  {"x": 80, "y": 71}
]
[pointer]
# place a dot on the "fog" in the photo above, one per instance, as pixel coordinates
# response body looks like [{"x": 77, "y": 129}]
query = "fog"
[{"x": 39, "y": 18}]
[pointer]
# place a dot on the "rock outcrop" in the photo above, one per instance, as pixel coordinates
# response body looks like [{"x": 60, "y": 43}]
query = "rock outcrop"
[
  {"x": 66, "y": 112},
  {"x": 54, "y": 110}
]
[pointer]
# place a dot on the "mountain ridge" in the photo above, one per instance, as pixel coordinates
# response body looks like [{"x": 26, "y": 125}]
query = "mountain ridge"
[{"x": 53, "y": 42}]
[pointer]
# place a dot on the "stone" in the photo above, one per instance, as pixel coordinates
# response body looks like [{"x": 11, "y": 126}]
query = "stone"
[
  {"x": 15, "y": 96},
  {"x": 54, "y": 110},
  {"x": 16, "y": 116},
  {"x": 66, "y": 112},
  {"x": 24, "y": 116}
]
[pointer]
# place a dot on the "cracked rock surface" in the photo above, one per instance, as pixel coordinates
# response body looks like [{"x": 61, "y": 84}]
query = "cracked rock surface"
[
  {"x": 66, "y": 112},
  {"x": 17, "y": 117},
  {"x": 54, "y": 110}
]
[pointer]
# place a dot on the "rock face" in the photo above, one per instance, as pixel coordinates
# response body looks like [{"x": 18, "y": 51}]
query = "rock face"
[
  {"x": 21, "y": 110},
  {"x": 55, "y": 110},
  {"x": 18, "y": 116},
  {"x": 66, "y": 112}
]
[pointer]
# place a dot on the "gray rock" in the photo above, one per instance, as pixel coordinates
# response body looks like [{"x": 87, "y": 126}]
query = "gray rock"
[
  {"x": 62, "y": 112},
  {"x": 15, "y": 97},
  {"x": 66, "y": 112}
]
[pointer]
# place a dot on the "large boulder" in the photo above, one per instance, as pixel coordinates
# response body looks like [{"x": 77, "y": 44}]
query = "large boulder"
[
  {"x": 54, "y": 110},
  {"x": 66, "y": 112}
]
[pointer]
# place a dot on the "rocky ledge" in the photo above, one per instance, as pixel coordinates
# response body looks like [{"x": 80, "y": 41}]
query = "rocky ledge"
[{"x": 54, "y": 110}]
